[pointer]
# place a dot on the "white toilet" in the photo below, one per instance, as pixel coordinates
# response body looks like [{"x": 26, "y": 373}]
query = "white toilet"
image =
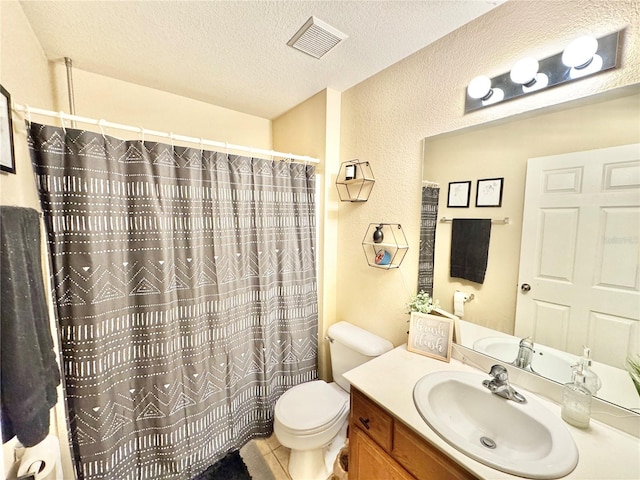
[{"x": 311, "y": 418}]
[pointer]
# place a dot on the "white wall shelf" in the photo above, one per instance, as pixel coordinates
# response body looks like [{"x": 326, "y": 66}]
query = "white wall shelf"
[{"x": 389, "y": 251}]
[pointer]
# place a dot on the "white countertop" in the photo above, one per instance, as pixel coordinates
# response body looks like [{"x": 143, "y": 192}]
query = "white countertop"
[{"x": 604, "y": 452}]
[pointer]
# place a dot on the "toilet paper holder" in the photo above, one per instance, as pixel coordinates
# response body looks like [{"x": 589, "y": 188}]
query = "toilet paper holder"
[{"x": 467, "y": 298}]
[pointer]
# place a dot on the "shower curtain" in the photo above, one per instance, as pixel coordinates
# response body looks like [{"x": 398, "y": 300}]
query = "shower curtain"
[
  {"x": 186, "y": 297},
  {"x": 428, "y": 221}
]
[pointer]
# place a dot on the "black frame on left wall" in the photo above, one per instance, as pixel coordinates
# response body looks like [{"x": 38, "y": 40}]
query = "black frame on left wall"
[{"x": 7, "y": 154}]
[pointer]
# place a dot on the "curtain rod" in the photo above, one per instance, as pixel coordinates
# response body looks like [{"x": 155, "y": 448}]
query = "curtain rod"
[{"x": 182, "y": 138}]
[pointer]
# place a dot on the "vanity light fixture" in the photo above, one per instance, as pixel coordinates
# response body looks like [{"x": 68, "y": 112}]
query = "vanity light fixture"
[{"x": 584, "y": 56}]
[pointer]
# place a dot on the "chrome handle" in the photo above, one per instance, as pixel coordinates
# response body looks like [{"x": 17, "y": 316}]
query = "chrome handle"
[{"x": 525, "y": 287}]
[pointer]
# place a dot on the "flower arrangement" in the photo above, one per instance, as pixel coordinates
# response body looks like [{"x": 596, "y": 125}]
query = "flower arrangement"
[{"x": 422, "y": 303}]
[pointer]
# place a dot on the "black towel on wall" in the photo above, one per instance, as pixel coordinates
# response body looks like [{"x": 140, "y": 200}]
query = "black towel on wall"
[
  {"x": 470, "y": 248},
  {"x": 29, "y": 372}
]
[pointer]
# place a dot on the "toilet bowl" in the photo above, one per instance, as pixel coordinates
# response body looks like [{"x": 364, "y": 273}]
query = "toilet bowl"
[
  {"x": 308, "y": 418},
  {"x": 311, "y": 419}
]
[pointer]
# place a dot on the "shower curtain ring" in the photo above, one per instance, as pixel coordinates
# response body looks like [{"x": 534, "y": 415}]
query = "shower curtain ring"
[
  {"x": 142, "y": 134},
  {"x": 100, "y": 123},
  {"x": 60, "y": 114},
  {"x": 28, "y": 109}
]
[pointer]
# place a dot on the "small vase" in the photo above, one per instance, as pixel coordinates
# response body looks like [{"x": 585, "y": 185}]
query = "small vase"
[{"x": 378, "y": 236}]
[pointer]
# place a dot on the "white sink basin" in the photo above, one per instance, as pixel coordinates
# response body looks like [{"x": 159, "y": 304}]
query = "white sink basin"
[
  {"x": 520, "y": 439},
  {"x": 546, "y": 361}
]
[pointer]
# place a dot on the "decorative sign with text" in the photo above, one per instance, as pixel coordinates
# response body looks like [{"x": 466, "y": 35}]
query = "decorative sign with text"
[{"x": 431, "y": 335}]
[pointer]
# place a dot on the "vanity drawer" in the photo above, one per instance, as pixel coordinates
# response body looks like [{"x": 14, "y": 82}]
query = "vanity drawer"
[
  {"x": 423, "y": 460},
  {"x": 372, "y": 419}
]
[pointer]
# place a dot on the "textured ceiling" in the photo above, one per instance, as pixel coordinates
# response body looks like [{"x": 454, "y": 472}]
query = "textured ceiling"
[{"x": 234, "y": 53}]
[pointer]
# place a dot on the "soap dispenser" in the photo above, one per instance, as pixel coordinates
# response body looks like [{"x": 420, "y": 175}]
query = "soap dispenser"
[
  {"x": 592, "y": 380},
  {"x": 576, "y": 401}
]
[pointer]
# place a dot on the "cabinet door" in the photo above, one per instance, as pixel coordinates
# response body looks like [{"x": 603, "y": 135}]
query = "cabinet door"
[
  {"x": 377, "y": 423},
  {"x": 422, "y": 459},
  {"x": 367, "y": 461}
]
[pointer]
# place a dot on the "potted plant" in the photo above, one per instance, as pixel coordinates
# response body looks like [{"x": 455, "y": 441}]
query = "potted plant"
[
  {"x": 422, "y": 303},
  {"x": 633, "y": 367}
]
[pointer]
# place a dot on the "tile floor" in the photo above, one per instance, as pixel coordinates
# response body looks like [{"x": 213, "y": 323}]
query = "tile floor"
[{"x": 266, "y": 459}]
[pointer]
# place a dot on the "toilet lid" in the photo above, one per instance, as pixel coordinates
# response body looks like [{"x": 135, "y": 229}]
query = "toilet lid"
[{"x": 310, "y": 405}]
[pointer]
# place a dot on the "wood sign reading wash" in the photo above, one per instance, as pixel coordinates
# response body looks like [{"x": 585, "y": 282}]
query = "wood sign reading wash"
[{"x": 431, "y": 335}]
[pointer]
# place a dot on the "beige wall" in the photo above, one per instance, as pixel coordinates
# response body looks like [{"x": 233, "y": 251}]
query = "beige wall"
[
  {"x": 385, "y": 118},
  {"x": 313, "y": 127},
  {"x": 502, "y": 151},
  {"x": 97, "y": 96},
  {"x": 25, "y": 73}
]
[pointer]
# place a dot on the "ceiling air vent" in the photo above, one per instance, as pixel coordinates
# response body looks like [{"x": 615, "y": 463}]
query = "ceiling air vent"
[{"x": 316, "y": 38}]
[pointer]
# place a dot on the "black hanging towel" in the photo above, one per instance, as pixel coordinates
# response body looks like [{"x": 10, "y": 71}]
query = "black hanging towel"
[
  {"x": 29, "y": 369},
  {"x": 470, "y": 248}
]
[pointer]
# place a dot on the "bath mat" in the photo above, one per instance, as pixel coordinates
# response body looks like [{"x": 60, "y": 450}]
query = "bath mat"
[{"x": 231, "y": 467}]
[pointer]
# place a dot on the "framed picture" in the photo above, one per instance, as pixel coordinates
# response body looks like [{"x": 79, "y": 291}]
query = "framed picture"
[
  {"x": 7, "y": 157},
  {"x": 431, "y": 335},
  {"x": 489, "y": 192},
  {"x": 459, "y": 193}
]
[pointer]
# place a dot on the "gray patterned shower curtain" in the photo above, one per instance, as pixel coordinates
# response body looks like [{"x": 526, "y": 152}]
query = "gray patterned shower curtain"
[
  {"x": 186, "y": 296},
  {"x": 428, "y": 222}
]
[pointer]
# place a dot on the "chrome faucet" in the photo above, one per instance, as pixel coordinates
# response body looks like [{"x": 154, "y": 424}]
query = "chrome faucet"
[
  {"x": 499, "y": 385},
  {"x": 525, "y": 354}
]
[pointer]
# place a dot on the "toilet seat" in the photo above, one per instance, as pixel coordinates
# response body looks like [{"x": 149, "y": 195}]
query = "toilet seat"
[{"x": 311, "y": 407}]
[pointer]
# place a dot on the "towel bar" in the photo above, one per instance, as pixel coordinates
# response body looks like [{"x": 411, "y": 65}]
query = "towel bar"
[{"x": 499, "y": 221}]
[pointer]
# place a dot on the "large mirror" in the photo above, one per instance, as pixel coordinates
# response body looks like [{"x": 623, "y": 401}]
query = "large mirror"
[{"x": 501, "y": 149}]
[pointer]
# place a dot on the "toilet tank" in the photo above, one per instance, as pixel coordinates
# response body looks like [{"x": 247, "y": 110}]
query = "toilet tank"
[{"x": 351, "y": 346}]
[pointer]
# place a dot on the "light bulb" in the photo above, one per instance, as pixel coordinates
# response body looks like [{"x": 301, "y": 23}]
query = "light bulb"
[
  {"x": 480, "y": 87},
  {"x": 542, "y": 81},
  {"x": 524, "y": 71},
  {"x": 595, "y": 65},
  {"x": 580, "y": 52},
  {"x": 497, "y": 95}
]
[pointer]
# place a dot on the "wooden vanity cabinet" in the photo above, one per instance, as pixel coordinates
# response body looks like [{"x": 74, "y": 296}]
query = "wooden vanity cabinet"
[
  {"x": 383, "y": 448},
  {"x": 367, "y": 461}
]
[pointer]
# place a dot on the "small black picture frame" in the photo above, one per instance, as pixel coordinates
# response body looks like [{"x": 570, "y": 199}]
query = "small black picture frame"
[
  {"x": 7, "y": 156},
  {"x": 459, "y": 194},
  {"x": 489, "y": 192}
]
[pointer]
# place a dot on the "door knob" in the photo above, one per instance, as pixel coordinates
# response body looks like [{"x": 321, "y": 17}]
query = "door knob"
[{"x": 525, "y": 287}]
